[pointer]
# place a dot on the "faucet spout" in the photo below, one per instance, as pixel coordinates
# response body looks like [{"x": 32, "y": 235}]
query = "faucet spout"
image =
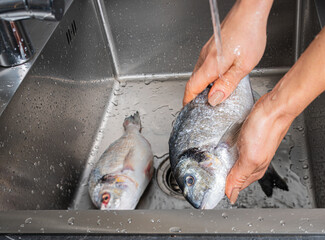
[
  {"x": 13, "y": 10},
  {"x": 15, "y": 46}
]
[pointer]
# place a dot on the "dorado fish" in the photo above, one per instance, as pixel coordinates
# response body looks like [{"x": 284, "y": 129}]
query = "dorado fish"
[
  {"x": 124, "y": 170},
  {"x": 202, "y": 146}
]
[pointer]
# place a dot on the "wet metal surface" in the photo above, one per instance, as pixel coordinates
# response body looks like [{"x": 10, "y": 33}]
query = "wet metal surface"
[
  {"x": 71, "y": 104},
  {"x": 157, "y": 115},
  {"x": 238, "y": 221}
]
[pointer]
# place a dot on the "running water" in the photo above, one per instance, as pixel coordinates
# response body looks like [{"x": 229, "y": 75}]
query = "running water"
[{"x": 216, "y": 29}]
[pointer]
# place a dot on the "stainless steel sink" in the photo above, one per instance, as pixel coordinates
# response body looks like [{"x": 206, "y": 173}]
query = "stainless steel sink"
[{"x": 108, "y": 59}]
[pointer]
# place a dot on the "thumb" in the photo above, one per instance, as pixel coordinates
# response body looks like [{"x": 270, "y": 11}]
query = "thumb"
[
  {"x": 236, "y": 178},
  {"x": 225, "y": 85},
  {"x": 207, "y": 73}
]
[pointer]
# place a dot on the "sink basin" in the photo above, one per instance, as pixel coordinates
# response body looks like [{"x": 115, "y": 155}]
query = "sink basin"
[{"x": 109, "y": 59}]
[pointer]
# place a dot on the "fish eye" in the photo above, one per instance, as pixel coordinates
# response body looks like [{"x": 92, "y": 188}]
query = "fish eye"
[
  {"x": 189, "y": 180},
  {"x": 105, "y": 198}
]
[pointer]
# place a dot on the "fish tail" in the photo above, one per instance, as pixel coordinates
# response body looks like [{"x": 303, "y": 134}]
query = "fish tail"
[
  {"x": 133, "y": 120},
  {"x": 270, "y": 180}
]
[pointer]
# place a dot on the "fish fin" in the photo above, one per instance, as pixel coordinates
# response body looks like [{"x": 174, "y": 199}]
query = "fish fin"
[
  {"x": 230, "y": 137},
  {"x": 133, "y": 120},
  {"x": 128, "y": 161},
  {"x": 270, "y": 180},
  {"x": 256, "y": 96},
  {"x": 149, "y": 170}
]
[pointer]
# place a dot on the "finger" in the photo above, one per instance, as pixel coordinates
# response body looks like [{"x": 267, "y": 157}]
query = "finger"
[
  {"x": 236, "y": 178},
  {"x": 225, "y": 85},
  {"x": 253, "y": 178},
  {"x": 206, "y": 74},
  {"x": 203, "y": 54}
]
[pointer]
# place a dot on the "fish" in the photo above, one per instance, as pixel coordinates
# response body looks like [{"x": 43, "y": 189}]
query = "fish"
[
  {"x": 203, "y": 146},
  {"x": 123, "y": 172}
]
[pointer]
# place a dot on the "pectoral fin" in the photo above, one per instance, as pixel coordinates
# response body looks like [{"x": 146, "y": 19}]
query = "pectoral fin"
[
  {"x": 128, "y": 163},
  {"x": 230, "y": 137},
  {"x": 270, "y": 180},
  {"x": 149, "y": 170}
]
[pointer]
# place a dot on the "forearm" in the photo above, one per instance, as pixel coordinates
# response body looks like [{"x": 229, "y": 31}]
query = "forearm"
[
  {"x": 258, "y": 9},
  {"x": 302, "y": 84}
]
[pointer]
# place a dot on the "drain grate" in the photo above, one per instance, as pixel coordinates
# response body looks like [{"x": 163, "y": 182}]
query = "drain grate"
[{"x": 166, "y": 180}]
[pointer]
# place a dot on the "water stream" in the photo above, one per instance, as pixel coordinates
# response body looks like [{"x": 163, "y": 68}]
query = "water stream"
[{"x": 216, "y": 30}]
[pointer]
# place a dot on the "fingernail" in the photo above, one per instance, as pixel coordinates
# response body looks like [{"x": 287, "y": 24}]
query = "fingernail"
[
  {"x": 216, "y": 98},
  {"x": 234, "y": 195}
]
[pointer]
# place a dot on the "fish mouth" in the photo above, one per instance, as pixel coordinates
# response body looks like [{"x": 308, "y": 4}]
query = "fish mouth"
[
  {"x": 205, "y": 200},
  {"x": 203, "y": 203}
]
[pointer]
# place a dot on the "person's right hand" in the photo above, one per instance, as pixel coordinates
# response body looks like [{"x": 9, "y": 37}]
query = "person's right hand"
[{"x": 243, "y": 34}]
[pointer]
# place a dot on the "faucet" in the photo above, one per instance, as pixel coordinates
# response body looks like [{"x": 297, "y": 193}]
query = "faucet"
[{"x": 15, "y": 45}]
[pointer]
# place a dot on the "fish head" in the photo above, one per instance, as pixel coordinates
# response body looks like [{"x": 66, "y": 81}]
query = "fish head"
[
  {"x": 198, "y": 178},
  {"x": 113, "y": 193}
]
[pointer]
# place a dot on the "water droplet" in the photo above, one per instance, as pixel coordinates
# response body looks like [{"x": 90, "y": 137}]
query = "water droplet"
[
  {"x": 224, "y": 215},
  {"x": 300, "y": 128},
  {"x": 305, "y": 177},
  {"x": 129, "y": 220},
  {"x": 233, "y": 229},
  {"x": 305, "y": 166},
  {"x": 71, "y": 221},
  {"x": 152, "y": 220},
  {"x": 98, "y": 222},
  {"x": 147, "y": 82},
  {"x": 282, "y": 223},
  {"x": 123, "y": 83},
  {"x": 175, "y": 229},
  {"x": 260, "y": 219},
  {"x": 249, "y": 224},
  {"x": 28, "y": 220}
]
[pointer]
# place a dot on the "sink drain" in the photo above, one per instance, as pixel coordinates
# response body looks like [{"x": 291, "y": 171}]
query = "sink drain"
[{"x": 166, "y": 180}]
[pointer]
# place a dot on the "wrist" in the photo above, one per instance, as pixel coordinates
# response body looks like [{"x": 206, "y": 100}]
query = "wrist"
[
  {"x": 261, "y": 8},
  {"x": 302, "y": 84},
  {"x": 278, "y": 106}
]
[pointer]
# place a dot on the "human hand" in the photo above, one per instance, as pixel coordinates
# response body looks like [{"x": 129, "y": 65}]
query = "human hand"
[
  {"x": 258, "y": 141},
  {"x": 243, "y": 34},
  {"x": 273, "y": 114}
]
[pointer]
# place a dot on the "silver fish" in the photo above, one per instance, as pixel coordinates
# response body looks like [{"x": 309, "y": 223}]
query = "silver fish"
[
  {"x": 202, "y": 145},
  {"x": 124, "y": 170}
]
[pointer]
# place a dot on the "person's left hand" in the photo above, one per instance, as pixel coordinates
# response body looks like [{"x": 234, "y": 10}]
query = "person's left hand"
[{"x": 258, "y": 141}]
